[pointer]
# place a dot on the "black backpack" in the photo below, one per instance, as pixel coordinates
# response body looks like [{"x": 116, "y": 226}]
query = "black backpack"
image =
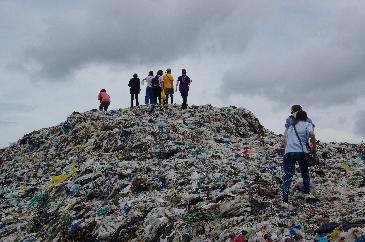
[{"x": 155, "y": 83}]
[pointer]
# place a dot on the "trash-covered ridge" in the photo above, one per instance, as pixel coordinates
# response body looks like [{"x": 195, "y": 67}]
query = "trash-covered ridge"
[{"x": 201, "y": 174}]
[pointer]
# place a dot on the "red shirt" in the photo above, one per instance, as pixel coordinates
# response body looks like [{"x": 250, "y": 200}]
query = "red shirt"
[{"x": 104, "y": 97}]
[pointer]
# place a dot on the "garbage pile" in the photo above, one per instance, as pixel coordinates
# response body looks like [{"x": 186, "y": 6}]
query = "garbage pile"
[{"x": 201, "y": 174}]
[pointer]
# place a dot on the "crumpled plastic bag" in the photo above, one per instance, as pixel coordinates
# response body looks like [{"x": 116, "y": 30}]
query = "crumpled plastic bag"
[{"x": 55, "y": 180}]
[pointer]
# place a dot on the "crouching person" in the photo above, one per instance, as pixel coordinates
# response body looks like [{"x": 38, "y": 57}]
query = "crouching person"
[{"x": 104, "y": 99}]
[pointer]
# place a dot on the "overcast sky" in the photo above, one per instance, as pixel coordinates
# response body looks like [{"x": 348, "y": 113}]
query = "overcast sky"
[{"x": 264, "y": 55}]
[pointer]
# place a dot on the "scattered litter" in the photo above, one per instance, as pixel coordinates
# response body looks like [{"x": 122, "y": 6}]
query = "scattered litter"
[{"x": 200, "y": 174}]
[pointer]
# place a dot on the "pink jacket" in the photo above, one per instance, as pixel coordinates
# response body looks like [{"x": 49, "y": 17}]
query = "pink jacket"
[{"x": 104, "y": 97}]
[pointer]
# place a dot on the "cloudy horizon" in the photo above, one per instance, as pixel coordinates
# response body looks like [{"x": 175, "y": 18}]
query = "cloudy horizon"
[{"x": 261, "y": 55}]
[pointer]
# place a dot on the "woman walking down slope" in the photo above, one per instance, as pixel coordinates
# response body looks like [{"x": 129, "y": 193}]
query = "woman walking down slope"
[
  {"x": 168, "y": 86},
  {"x": 157, "y": 87},
  {"x": 183, "y": 82},
  {"x": 135, "y": 88},
  {"x": 295, "y": 150},
  {"x": 149, "y": 98},
  {"x": 104, "y": 100}
]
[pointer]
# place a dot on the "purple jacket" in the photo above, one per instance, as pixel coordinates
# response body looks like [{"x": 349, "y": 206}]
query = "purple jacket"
[{"x": 184, "y": 82}]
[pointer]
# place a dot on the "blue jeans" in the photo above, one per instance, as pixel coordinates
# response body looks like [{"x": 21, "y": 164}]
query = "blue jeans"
[
  {"x": 149, "y": 98},
  {"x": 289, "y": 170}
]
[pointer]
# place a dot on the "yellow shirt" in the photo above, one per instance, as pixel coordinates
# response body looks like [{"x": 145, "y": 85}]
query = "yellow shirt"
[{"x": 168, "y": 81}]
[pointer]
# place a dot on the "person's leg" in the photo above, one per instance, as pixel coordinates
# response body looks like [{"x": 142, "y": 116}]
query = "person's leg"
[
  {"x": 146, "y": 97},
  {"x": 159, "y": 95},
  {"x": 171, "y": 92},
  {"x": 132, "y": 99},
  {"x": 101, "y": 106},
  {"x": 151, "y": 95},
  {"x": 289, "y": 169},
  {"x": 184, "y": 97},
  {"x": 137, "y": 103},
  {"x": 183, "y": 103},
  {"x": 153, "y": 98},
  {"x": 166, "y": 101},
  {"x": 305, "y": 175},
  {"x": 106, "y": 106}
]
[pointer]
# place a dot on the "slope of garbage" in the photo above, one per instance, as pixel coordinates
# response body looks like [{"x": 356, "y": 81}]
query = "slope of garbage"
[{"x": 201, "y": 174}]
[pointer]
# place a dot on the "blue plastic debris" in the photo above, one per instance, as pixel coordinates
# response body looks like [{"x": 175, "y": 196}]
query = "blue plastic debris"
[
  {"x": 295, "y": 229},
  {"x": 126, "y": 209},
  {"x": 75, "y": 224},
  {"x": 321, "y": 238},
  {"x": 360, "y": 239},
  {"x": 75, "y": 190},
  {"x": 66, "y": 127},
  {"x": 2, "y": 225},
  {"x": 111, "y": 112},
  {"x": 163, "y": 186}
]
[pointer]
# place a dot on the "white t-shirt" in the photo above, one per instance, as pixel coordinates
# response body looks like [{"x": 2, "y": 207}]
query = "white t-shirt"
[
  {"x": 148, "y": 81},
  {"x": 160, "y": 80}
]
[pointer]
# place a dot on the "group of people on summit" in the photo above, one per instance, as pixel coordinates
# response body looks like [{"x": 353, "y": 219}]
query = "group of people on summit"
[{"x": 159, "y": 89}]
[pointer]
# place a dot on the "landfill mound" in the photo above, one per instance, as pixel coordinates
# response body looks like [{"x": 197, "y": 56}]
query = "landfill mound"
[{"x": 201, "y": 174}]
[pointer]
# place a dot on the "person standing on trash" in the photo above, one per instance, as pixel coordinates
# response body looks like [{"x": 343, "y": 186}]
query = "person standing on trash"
[
  {"x": 104, "y": 99},
  {"x": 156, "y": 84},
  {"x": 291, "y": 120},
  {"x": 295, "y": 152},
  {"x": 183, "y": 82},
  {"x": 135, "y": 88},
  {"x": 168, "y": 86},
  {"x": 149, "y": 98}
]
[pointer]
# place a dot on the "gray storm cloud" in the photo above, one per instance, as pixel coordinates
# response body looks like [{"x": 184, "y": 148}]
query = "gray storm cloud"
[
  {"x": 143, "y": 32},
  {"x": 8, "y": 109},
  {"x": 360, "y": 124},
  {"x": 325, "y": 67}
]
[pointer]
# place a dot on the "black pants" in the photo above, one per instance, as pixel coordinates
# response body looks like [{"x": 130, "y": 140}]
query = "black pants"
[
  {"x": 169, "y": 92},
  {"x": 157, "y": 95},
  {"x": 134, "y": 96},
  {"x": 184, "y": 96},
  {"x": 104, "y": 106}
]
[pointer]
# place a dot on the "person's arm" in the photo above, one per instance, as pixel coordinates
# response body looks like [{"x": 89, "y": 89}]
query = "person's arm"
[
  {"x": 285, "y": 138},
  {"x": 288, "y": 123},
  {"x": 312, "y": 139},
  {"x": 177, "y": 84},
  {"x": 160, "y": 81},
  {"x": 163, "y": 82},
  {"x": 143, "y": 81}
]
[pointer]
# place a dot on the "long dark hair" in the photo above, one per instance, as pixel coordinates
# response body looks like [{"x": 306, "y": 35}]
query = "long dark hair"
[{"x": 301, "y": 116}]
